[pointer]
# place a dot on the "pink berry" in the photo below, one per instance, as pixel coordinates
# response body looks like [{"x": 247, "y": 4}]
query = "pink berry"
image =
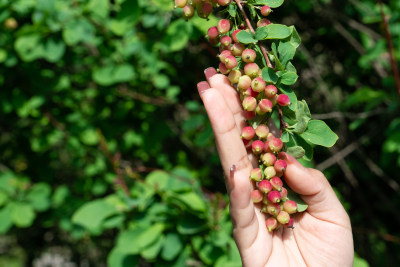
[
  {"x": 247, "y": 143},
  {"x": 257, "y": 147},
  {"x": 290, "y": 206},
  {"x": 265, "y": 186},
  {"x": 263, "y": 22},
  {"x": 248, "y": 115},
  {"x": 270, "y": 91},
  {"x": 226, "y": 40},
  {"x": 188, "y": 12},
  {"x": 234, "y": 76},
  {"x": 290, "y": 223},
  {"x": 250, "y": 92},
  {"x": 256, "y": 175},
  {"x": 274, "y": 196},
  {"x": 268, "y": 159},
  {"x": 206, "y": 9},
  {"x": 280, "y": 165},
  {"x": 283, "y": 100},
  {"x": 283, "y": 193},
  {"x": 224, "y": 26},
  {"x": 265, "y": 11},
  {"x": 269, "y": 172},
  {"x": 271, "y": 224},
  {"x": 224, "y": 55},
  {"x": 256, "y": 196},
  {"x": 275, "y": 145},
  {"x": 224, "y": 2},
  {"x": 249, "y": 103},
  {"x": 258, "y": 84},
  {"x": 234, "y": 38},
  {"x": 264, "y": 106},
  {"x": 248, "y": 133},
  {"x": 244, "y": 82},
  {"x": 213, "y": 33},
  {"x": 180, "y": 3},
  {"x": 251, "y": 69},
  {"x": 273, "y": 209},
  {"x": 276, "y": 183},
  {"x": 283, "y": 217},
  {"x": 231, "y": 62},
  {"x": 249, "y": 55},
  {"x": 262, "y": 131},
  {"x": 237, "y": 49},
  {"x": 223, "y": 69}
]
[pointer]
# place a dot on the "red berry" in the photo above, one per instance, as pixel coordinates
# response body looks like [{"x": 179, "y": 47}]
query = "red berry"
[
  {"x": 274, "y": 197},
  {"x": 249, "y": 55},
  {"x": 256, "y": 196},
  {"x": 224, "y": 26},
  {"x": 257, "y": 147},
  {"x": 262, "y": 131},
  {"x": 250, "y": 92},
  {"x": 265, "y": 11},
  {"x": 251, "y": 69},
  {"x": 283, "y": 193},
  {"x": 224, "y": 54},
  {"x": 256, "y": 175},
  {"x": 280, "y": 165},
  {"x": 264, "y": 106},
  {"x": 275, "y": 145},
  {"x": 248, "y": 133},
  {"x": 249, "y": 103},
  {"x": 213, "y": 33},
  {"x": 231, "y": 62},
  {"x": 223, "y": 69},
  {"x": 263, "y": 22},
  {"x": 270, "y": 91},
  {"x": 264, "y": 186},
  {"x": 276, "y": 183},
  {"x": 268, "y": 159},
  {"x": 283, "y": 100},
  {"x": 290, "y": 223},
  {"x": 271, "y": 224},
  {"x": 258, "y": 84},
  {"x": 226, "y": 40},
  {"x": 290, "y": 206}
]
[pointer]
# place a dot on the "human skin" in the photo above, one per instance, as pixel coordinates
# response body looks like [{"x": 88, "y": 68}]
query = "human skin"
[{"x": 322, "y": 235}]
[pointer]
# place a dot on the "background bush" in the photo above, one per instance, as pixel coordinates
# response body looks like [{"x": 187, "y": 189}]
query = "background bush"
[{"x": 107, "y": 156}]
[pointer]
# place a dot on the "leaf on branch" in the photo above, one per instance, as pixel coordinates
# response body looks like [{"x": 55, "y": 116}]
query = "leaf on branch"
[
  {"x": 319, "y": 133},
  {"x": 270, "y": 3},
  {"x": 269, "y": 75},
  {"x": 245, "y": 37},
  {"x": 289, "y": 78},
  {"x": 296, "y": 151},
  {"x": 286, "y": 52},
  {"x": 274, "y": 31}
]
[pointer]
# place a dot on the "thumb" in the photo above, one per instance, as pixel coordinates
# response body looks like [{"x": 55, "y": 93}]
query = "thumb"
[{"x": 315, "y": 190}]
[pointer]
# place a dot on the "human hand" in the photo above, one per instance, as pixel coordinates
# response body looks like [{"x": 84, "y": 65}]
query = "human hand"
[{"x": 322, "y": 235}]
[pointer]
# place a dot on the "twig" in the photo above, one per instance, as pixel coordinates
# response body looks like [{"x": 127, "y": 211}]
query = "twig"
[
  {"x": 390, "y": 47},
  {"x": 263, "y": 49}
]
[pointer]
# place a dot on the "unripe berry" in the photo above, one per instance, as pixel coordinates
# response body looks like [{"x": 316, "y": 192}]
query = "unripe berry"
[
  {"x": 237, "y": 49},
  {"x": 244, "y": 82},
  {"x": 265, "y": 186},
  {"x": 262, "y": 131},
  {"x": 290, "y": 223},
  {"x": 180, "y": 3},
  {"x": 283, "y": 100},
  {"x": 234, "y": 38},
  {"x": 248, "y": 133},
  {"x": 249, "y": 103},
  {"x": 223, "y": 69},
  {"x": 263, "y": 22},
  {"x": 224, "y": 2},
  {"x": 224, "y": 55},
  {"x": 283, "y": 217},
  {"x": 276, "y": 183},
  {"x": 273, "y": 209},
  {"x": 256, "y": 175},
  {"x": 231, "y": 62},
  {"x": 280, "y": 165},
  {"x": 271, "y": 224},
  {"x": 274, "y": 197},
  {"x": 234, "y": 76},
  {"x": 188, "y": 12},
  {"x": 251, "y": 69},
  {"x": 290, "y": 206},
  {"x": 250, "y": 92},
  {"x": 264, "y": 106},
  {"x": 265, "y": 11},
  {"x": 270, "y": 91},
  {"x": 258, "y": 84},
  {"x": 212, "y": 33},
  {"x": 275, "y": 145},
  {"x": 257, "y": 147},
  {"x": 249, "y": 55},
  {"x": 268, "y": 159},
  {"x": 226, "y": 40},
  {"x": 256, "y": 196},
  {"x": 283, "y": 193},
  {"x": 223, "y": 26},
  {"x": 269, "y": 172}
]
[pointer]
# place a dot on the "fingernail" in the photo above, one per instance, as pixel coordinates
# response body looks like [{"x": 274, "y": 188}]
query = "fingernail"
[
  {"x": 202, "y": 86},
  {"x": 209, "y": 72}
]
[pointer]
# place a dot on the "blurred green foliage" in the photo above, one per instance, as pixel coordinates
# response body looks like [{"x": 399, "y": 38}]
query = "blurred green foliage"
[{"x": 107, "y": 157}]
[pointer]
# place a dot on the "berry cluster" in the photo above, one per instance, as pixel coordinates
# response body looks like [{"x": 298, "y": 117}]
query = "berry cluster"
[{"x": 241, "y": 62}]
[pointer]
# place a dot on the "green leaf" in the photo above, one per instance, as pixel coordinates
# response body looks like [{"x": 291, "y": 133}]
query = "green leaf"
[
  {"x": 278, "y": 64},
  {"x": 292, "y": 96},
  {"x": 286, "y": 52},
  {"x": 295, "y": 39},
  {"x": 303, "y": 116},
  {"x": 245, "y": 37},
  {"x": 78, "y": 30},
  {"x": 193, "y": 201},
  {"x": 92, "y": 214},
  {"x": 125, "y": 242},
  {"x": 118, "y": 258},
  {"x": 319, "y": 133},
  {"x": 149, "y": 235},
  {"x": 177, "y": 35},
  {"x": 127, "y": 17},
  {"x": 261, "y": 33},
  {"x": 289, "y": 78},
  {"x": 189, "y": 224},
  {"x": 296, "y": 151},
  {"x": 152, "y": 251},
  {"x": 55, "y": 49},
  {"x": 111, "y": 74},
  {"x": 5, "y": 219},
  {"x": 29, "y": 47},
  {"x": 301, "y": 205},
  {"x": 39, "y": 196},
  {"x": 232, "y": 10},
  {"x": 309, "y": 150},
  {"x": 270, "y": 3},
  {"x": 22, "y": 214},
  {"x": 269, "y": 75},
  {"x": 163, "y": 181},
  {"x": 89, "y": 137},
  {"x": 172, "y": 246},
  {"x": 275, "y": 31}
]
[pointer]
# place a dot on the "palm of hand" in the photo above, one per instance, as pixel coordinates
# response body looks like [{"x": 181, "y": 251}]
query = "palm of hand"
[{"x": 322, "y": 235}]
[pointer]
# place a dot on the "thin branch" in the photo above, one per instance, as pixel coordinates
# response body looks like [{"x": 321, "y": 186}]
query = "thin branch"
[
  {"x": 390, "y": 47},
  {"x": 263, "y": 49}
]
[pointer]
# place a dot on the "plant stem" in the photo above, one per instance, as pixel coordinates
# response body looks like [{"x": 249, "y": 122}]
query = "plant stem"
[{"x": 263, "y": 49}]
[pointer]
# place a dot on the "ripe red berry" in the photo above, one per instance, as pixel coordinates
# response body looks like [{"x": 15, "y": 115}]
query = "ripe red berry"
[
  {"x": 280, "y": 165},
  {"x": 265, "y": 186},
  {"x": 250, "y": 92},
  {"x": 224, "y": 26},
  {"x": 262, "y": 131},
  {"x": 248, "y": 133},
  {"x": 274, "y": 197},
  {"x": 231, "y": 62},
  {"x": 224, "y": 54},
  {"x": 276, "y": 183},
  {"x": 249, "y": 55},
  {"x": 212, "y": 33},
  {"x": 257, "y": 147},
  {"x": 283, "y": 193},
  {"x": 264, "y": 106},
  {"x": 258, "y": 84},
  {"x": 263, "y": 22},
  {"x": 270, "y": 91},
  {"x": 265, "y": 11},
  {"x": 290, "y": 223},
  {"x": 256, "y": 196},
  {"x": 275, "y": 145},
  {"x": 226, "y": 40},
  {"x": 234, "y": 38},
  {"x": 249, "y": 103},
  {"x": 283, "y": 100},
  {"x": 290, "y": 206},
  {"x": 237, "y": 49},
  {"x": 271, "y": 224}
]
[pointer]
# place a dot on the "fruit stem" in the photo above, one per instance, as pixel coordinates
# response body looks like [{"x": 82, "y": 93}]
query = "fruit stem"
[{"x": 263, "y": 49}]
